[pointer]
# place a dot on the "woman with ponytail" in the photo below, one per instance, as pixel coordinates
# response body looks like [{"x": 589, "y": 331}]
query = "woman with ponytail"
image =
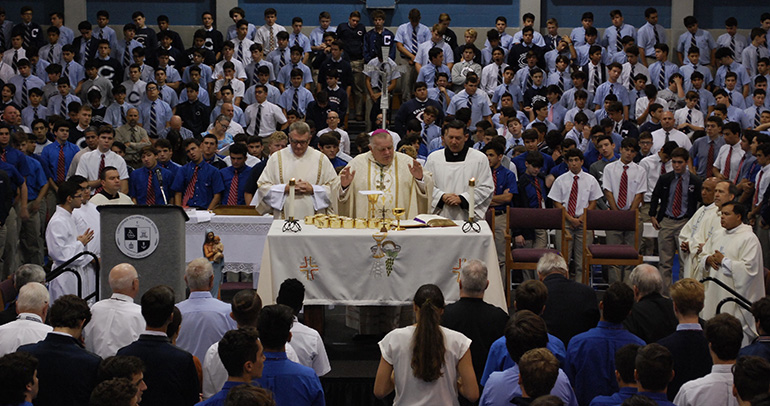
[{"x": 425, "y": 363}]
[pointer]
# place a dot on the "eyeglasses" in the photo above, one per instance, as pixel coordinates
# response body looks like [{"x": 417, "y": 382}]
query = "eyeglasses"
[{"x": 297, "y": 142}]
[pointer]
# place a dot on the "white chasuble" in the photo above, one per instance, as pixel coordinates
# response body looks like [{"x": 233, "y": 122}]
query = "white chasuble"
[
  {"x": 312, "y": 167},
  {"x": 399, "y": 187}
]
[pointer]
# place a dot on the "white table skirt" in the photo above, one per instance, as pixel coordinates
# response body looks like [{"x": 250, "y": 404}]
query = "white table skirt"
[
  {"x": 337, "y": 266},
  {"x": 243, "y": 237}
]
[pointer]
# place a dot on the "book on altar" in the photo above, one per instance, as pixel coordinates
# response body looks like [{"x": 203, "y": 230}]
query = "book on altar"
[{"x": 428, "y": 220}]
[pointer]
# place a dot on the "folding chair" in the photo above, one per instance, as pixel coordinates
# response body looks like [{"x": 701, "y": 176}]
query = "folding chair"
[
  {"x": 610, "y": 254},
  {"x": 526, "y": 258}
]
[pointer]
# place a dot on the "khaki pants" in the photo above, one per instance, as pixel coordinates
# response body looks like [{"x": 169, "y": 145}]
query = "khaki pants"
[
  {"x": 575, "y": 248},
  {"x": 668, "y": 244},
  {"x": 31, "y": 238},
  {"x": 358, "y": 93},
  {"x": 764, "y": 240},
  {"x": 646, "y": 245},
  {"x": 501, "y": 224},
  {"x": 9, "y": 253},
  {"x": 408, "y": 77},
  {"x": 619, "y": 273}
]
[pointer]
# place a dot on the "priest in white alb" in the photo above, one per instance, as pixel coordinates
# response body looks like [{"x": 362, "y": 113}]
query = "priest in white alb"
[
  {"x": 313, "y": 172},
  {"x": 399, "y": 177},
  {"x": 733, "y": 255},
  {"x": 699, "y": 229},
  {"x": 452, "y": 168}
]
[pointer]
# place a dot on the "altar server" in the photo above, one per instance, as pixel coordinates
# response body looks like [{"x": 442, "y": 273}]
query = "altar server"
[{"x": 452, "y": 168}]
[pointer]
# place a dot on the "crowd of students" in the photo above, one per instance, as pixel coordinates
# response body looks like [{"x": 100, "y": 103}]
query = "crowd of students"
[{"x": 617, "y": 121}]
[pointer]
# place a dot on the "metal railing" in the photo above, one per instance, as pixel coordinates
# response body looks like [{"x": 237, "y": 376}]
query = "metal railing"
[
  {"x": 738, "y": 299},
  {"x": 63, "y": 268}
]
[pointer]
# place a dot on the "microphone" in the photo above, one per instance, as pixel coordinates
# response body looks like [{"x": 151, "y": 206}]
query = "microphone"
[
  {"x": 160, "y": 184},
  {"x": 159, "y": 175}
]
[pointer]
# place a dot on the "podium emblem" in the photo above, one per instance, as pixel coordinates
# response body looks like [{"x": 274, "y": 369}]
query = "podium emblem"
[{"x": 137, "y": 237}]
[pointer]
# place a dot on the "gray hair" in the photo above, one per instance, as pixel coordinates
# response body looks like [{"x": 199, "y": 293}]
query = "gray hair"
[
  {"x": 222, "y": 117},
  {"x": 647, "y": 279},
  {"x": 32, "y": 298},
  {"x": 551, "y": 263},
  {"x": 379, "y": 135},
  {"x": 299, "y": 127},
  {"x": 198, "y": 273},
  {"x": 474, "y": 276},
  {"x": 28, "y": 273},
  {"x": 122, "y": 277}
]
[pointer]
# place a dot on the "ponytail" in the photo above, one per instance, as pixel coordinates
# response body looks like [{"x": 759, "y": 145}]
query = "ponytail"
[{"x": 428, "y": 341}]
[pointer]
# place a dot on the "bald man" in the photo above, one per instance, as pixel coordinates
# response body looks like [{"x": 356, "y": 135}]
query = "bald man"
[
  {"x": 116, "y": 322},
  {"x": 133, "y": 137},
  {"x": 667, "y": 133},
  {"x": 175, "y": 124}
]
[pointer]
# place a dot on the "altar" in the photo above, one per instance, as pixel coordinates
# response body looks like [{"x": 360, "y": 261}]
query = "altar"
[
  {"x": 243, "y": 238},
  {"x": 363, "y": 267}
]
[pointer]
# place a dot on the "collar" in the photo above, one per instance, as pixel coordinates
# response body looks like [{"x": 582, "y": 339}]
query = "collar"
[
  {"x": 30, "y": 317},
  {"x": 689, "y": 326},
  {"x": 109, "y": 196},
  {"x": 154, "y": 333},
  {"x": 610, "y": 326},
  {"x": 456, "y": 156},
  {"x": 722, "y": 369},
  {"x": 200, "y": 295},
  {"x": 657, "y": 397},
  {"x": 121, "y": 297},
  {"x": 275, "y": 356}
]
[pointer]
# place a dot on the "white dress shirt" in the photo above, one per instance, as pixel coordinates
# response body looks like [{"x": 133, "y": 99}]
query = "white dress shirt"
[
  {"x": 637, "y": 182},
  {"x": 310, "y": 348},
  {"x": 736, "y": 159},
  {"x": 696, "y": 117},
  {"x": 659, "y": 138},
  {"x": 271, "y": 115},
  {"x": 344, "y": 138},
  {"x": 88, "y": 167},
  {"x": 588, "y": 190},
  {"x": 759, "y": 189},
  {"x": 651, "y": 165},
  {"x": 715, "y": 388},
  {"x": 28, "y": 328},
  {"x": 115, "y": 323}
]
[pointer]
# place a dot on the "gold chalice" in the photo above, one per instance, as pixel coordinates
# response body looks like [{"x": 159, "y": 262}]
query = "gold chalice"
[
  {"x": 372, "y": 202},
  {"x": 398, "y": 213}
]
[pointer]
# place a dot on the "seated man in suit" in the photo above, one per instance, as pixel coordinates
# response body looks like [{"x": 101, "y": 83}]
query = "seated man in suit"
[
  {"x": 171, "y": 374},
  {"x": 652, "y": 316},
  {"x": 67, "y": 372},
  {"x": 571, "y": 308}
]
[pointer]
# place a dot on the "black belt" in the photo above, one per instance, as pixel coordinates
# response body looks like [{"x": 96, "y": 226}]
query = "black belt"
[
  {"x": 673, "y": 218},
  {"x": 499, "y": 212}
]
